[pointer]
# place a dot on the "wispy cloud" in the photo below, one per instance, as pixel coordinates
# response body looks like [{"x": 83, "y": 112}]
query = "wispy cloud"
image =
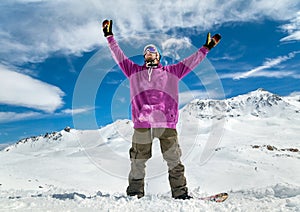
[
  {"x": 268, "y": 74},
  {"x": 260, "y": 70},
  {"x": 75, "y": 111},
  {"x": 73, "y": 27},
  {"x": 6, "y": 117},
  {"x": 292, "y": 28},
  {"x": 18, "y": 89}
]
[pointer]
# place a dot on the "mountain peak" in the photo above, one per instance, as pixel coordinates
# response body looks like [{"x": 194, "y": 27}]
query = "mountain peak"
[
  {"x": 261, "y": 91},
  {"x": 39, "y": 141},
  {"x": 259, "y": 103}
]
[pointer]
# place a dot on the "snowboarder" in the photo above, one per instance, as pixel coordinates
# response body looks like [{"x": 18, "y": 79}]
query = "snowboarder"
[{"x": 154, "y": 102}]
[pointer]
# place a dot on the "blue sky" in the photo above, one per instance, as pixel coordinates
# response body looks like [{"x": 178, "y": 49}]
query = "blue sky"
[{"x": 56, "y": 71}]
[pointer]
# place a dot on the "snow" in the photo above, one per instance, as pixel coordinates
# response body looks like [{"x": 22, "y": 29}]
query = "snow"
[{"x": 247, "y": 146}]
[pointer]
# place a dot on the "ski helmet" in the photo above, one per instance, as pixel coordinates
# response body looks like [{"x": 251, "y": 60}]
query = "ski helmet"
[{"x": 152, "y": 49}]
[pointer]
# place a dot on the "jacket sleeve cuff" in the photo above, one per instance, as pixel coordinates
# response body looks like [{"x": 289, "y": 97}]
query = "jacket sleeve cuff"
[
  {"x": 110, "y": 38},
  {"x": 204, "y": 50}
]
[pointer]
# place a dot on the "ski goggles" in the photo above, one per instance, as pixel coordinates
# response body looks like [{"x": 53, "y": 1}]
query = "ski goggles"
[{"x": 150, "y": 48}]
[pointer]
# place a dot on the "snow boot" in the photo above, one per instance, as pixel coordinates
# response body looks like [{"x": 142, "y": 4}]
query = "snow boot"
[{"x": 184, "y": 196}]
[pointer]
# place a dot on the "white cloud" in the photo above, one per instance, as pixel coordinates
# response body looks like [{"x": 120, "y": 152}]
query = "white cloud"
[
  {"x": 171, "y": 46},
  {"x": 13, "y": 116},
  {"x": 22, "y": 90},
  {"x": 294, "y": 36},
  {"x": 268, "y": 74},
  {"x": 269, "y": 63},
  {"x": 293, "y": 29},
  {"x": 6, "y": 117},
  {"x": 76, "y": 110},
  {"x": 32, "y": 29}
]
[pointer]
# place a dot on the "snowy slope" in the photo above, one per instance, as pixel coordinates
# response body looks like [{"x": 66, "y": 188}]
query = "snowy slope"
[{"x": 247, "y": 145}]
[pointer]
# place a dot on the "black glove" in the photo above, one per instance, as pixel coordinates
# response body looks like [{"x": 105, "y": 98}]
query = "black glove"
[
  {"x": 107, "y": 27},
  {"x": 212, "y": 42}
]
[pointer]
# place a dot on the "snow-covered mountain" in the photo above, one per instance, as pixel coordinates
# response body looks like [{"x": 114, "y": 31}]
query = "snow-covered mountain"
[
  {"x": 250, "y": 143},
  {"x": 258, "y": 103}
]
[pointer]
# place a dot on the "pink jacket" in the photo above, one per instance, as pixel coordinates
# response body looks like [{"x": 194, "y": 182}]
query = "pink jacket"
[{"x": 154, "y": 91}]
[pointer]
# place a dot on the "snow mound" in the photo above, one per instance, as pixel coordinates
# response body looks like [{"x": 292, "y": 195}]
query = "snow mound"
[{"x": 281, "y": 197}]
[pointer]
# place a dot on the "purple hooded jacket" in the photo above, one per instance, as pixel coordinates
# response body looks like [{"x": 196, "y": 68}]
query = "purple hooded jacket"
[{"x": 154, "y": 91}]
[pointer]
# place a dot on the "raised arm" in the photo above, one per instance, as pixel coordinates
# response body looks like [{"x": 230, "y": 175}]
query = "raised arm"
[
  {"x": 126, "y": 65},
  {"x": 188, "y": 64}
]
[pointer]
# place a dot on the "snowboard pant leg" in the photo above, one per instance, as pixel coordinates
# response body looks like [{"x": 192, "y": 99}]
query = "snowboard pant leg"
[
  {"x": 139, "y": 153},
  {"x": 171, "y": 153}
]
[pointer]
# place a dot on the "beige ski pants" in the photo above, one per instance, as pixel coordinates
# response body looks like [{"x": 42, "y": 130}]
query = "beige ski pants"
[{"x": 141, "y": 151}]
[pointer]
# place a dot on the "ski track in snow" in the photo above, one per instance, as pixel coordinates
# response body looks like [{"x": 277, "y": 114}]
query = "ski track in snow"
[{"x": 257, "y": 162}]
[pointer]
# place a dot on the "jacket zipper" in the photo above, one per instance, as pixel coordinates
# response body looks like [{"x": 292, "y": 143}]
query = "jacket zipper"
[{"x": 150, "y": 69}]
